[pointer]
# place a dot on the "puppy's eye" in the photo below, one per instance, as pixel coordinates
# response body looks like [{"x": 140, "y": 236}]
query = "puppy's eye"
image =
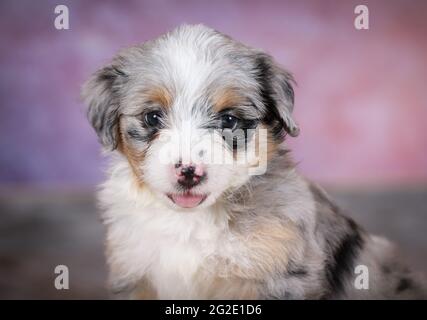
[
  {"x": 229, "y": 121},
  {"x": 153, "y": 118}
]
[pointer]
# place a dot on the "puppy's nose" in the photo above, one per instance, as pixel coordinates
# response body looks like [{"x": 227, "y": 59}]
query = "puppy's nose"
[
  {"x": 189, "y": 175},
  {"x": 188, "y": 171}
]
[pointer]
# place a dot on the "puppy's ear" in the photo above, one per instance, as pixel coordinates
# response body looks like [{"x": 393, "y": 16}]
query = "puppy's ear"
[
  {"x": 101, "y": 93},
  {"x": 277, "y": 94}
]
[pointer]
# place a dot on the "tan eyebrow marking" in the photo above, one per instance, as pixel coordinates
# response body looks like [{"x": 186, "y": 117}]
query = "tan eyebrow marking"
[
  {"x": 160, "y": 95},
  {"x": 227, "y": 98}
]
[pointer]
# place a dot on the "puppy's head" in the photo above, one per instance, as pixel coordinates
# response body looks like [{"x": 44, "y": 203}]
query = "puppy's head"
[{"x": 193, "y": 112}]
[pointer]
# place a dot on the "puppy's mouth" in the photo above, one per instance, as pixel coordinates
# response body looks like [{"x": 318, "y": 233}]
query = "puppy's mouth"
[{"x": 188, "y": 199}]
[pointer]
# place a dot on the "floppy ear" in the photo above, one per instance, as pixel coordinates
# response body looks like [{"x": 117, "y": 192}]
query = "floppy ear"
[
  {"x": 101, "y": 93},
  {"x": 277, "y": 94}
]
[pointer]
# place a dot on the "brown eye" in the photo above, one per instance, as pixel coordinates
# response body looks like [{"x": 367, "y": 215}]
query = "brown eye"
[
  {"x": 153, "y": 118},
  {"x": 229, "y": 121}
]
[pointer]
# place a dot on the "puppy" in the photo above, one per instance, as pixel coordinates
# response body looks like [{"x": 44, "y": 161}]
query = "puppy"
[{"x": 183, "y": 226}]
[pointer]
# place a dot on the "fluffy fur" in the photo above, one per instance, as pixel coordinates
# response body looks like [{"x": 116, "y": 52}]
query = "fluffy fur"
[{"x": 274, "y": 235}]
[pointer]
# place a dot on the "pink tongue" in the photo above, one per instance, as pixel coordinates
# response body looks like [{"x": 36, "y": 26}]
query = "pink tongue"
[{"x": 187, "y": 200}]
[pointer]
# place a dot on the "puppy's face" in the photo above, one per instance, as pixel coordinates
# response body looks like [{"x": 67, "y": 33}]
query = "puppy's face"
[{"x": 194, "y": 112}]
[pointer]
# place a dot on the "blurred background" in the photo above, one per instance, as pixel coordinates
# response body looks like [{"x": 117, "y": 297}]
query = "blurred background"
[{"x": 361, "y": 102}]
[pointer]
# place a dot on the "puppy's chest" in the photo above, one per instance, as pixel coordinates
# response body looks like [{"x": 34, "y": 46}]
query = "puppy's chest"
[
  {"x": 181, "y": 269},
  {"x": 180, "y": 258}
]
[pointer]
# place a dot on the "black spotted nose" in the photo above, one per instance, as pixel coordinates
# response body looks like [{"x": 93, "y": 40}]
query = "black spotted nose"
[
  {"x": 188, "y": 171},
  {"x": 189, "y": 175}
]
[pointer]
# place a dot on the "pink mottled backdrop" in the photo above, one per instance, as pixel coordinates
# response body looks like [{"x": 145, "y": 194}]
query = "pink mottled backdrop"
[{"x": 361, "y": 98}]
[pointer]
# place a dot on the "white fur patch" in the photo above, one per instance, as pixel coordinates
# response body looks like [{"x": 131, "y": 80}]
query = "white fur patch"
[{"x": 150, "y": 239}]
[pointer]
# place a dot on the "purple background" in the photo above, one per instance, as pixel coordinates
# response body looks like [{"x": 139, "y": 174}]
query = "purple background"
[{"x": 361, "y": 99}]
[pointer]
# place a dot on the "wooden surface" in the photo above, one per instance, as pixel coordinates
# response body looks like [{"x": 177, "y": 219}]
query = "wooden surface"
[{"x": 40, "y": 230}]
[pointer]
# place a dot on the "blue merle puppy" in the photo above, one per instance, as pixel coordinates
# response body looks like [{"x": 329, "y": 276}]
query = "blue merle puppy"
[{"x": 181, "y": 226}]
